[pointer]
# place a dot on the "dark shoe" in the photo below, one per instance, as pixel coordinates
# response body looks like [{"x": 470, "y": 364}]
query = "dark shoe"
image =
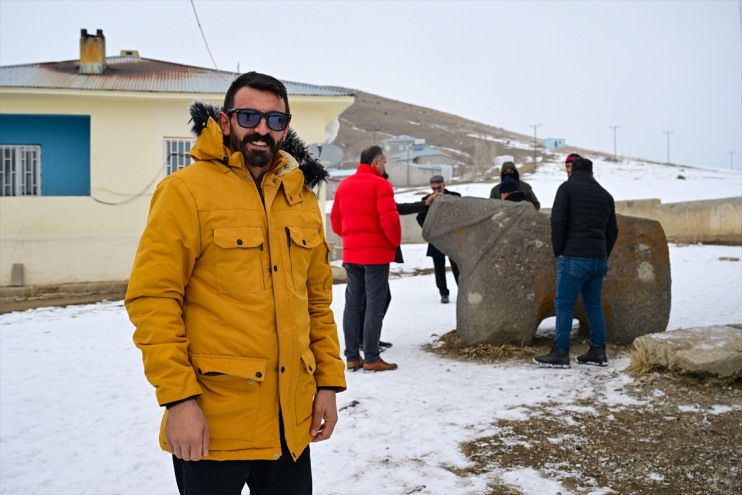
[
  {"x": 555, "y": 359},
  {"x": 384, "y": 345},
  {"x": 595, "y": 356},
  {"x": 379, "y": 365},
  {"x": 355, "y": 365},
  {"x": 444, "y": 299}
]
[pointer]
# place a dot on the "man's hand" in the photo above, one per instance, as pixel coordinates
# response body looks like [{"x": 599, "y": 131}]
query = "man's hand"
[
  {"x": 431, "y": 197},
  {"x": 187, "y": 432},
  {"x": 324, "y": 415}
]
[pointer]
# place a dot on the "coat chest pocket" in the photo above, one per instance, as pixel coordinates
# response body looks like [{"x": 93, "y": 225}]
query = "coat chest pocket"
[
  {"x": 239, "y": 259},
  {"x": 300, "y": 242}
]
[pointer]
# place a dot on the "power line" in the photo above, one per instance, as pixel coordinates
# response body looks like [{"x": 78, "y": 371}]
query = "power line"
[{"x": 203, "y": 35}]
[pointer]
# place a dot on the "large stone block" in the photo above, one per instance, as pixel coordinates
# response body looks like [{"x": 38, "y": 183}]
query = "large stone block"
[
  {"x": 508, "y": 272},
  {"x": 715, "y": 350}
]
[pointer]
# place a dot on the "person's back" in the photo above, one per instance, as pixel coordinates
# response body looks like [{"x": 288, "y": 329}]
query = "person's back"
[
  {"x": 365, "y": 215},
  {"x": 583, "y": 232},
  {"x": 581, "y": 213}
]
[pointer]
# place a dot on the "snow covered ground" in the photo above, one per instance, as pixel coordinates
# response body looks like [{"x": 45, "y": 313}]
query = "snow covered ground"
[
  {"x": 78, "y": 417},
  {"x": 624, "y": 180}
]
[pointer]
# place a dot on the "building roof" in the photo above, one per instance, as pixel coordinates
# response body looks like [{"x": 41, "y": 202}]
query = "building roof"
[
  {"x": 132, "y": 73},
  {"x": 340, "y": 174},
  {"x": 401, "y": 137},
  {"x": 417, "y": 151}
]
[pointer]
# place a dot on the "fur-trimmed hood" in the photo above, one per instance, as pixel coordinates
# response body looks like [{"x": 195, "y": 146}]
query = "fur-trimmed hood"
[{"x": 314, "y": 171}]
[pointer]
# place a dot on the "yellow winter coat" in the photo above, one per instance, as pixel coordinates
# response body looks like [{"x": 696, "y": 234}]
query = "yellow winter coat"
[{"x": 230, "y": 296}]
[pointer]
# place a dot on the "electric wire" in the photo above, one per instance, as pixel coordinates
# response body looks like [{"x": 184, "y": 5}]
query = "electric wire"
[
  {"x": 203, "y": 35},
  {"x": 133, "y": 196}
]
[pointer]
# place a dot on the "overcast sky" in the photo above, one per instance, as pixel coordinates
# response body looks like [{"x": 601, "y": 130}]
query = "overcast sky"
[{"x": 568, "y": 69}]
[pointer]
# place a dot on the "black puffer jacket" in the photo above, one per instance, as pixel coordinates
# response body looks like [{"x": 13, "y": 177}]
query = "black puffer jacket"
[{"x": 583, "y": 218}]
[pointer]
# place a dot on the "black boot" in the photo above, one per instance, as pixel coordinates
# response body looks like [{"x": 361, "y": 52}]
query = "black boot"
[
  {"x": 595, "y": 356},
  {"x": 555, "y": 359}
]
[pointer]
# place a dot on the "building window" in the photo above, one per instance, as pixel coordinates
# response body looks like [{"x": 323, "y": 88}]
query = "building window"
[
  {"x": 177, "y": 154},
  {"x": 21, "y": 170}
]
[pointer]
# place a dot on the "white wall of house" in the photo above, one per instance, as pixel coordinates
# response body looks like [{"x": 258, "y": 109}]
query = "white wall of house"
[{"x": 79, "y": 239}]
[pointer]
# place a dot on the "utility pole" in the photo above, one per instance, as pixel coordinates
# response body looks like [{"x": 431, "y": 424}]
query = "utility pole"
[
  {"x": 668, "y": 145},
  {"x": 534, "y": 126},
  {"x": 614, "y": 127},
  {"x": 731, "y": 159}
]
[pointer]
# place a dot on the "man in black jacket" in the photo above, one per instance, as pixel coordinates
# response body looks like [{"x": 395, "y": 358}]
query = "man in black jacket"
[
  {"x": 439, "y": 259},
  {"x": 583, "y": 233}
]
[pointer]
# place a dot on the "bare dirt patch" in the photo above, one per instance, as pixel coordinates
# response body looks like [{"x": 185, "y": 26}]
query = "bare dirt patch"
[{"x": 685, "y": 436}]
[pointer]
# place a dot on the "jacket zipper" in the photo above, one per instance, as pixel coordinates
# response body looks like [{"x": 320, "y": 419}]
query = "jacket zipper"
[{"x": 260, "y": 192}]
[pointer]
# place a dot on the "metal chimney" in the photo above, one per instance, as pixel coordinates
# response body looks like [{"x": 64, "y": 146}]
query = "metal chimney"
[{"x": 92, "y": 52}]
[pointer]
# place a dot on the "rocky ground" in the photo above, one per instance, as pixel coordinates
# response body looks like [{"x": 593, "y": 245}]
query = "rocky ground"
[{"x": 673, "y": 444}]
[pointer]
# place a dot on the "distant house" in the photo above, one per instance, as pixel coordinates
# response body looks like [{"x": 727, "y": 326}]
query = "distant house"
[
  {"x": 414, "y": 162},
  {"x": 337, "y": 175},
  {"x": 399, "y": 143},
  {"x": 554, "y": 142},
  {"x": 84, "y": 143}
]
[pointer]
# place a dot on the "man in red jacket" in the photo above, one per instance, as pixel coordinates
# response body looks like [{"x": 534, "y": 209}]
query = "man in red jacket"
[{"x": 365, "y": 216}]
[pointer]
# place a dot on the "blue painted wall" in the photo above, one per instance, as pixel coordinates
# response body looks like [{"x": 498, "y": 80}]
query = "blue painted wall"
[
  {"x": 554, "y": 142},
  {"x": 65, "y": 149}
]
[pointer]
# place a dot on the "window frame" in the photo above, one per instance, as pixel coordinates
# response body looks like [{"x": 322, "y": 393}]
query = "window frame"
[
  {"x": 16, "y": 183},
  {"x": 180, "y": 148}
]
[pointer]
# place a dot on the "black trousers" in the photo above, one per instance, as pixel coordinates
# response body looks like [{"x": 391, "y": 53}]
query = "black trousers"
[
  {"x": 280, "y": 477},
  {"x": 439, "y": 263}
]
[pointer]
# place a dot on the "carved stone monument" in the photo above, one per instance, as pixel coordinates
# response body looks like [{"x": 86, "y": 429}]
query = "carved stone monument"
[{"x": 508, "y": 272}]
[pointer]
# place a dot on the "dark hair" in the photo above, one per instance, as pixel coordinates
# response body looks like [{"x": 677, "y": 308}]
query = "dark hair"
[
  {"x": 371, "y": 153},
  {"x": 571, "y": 157},
  {"x": 259, "y": 81},
  {"x": 582, "y": 164}
]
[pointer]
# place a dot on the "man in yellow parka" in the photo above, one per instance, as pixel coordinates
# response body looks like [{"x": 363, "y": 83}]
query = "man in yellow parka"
[{"x": 230, "y": 294}]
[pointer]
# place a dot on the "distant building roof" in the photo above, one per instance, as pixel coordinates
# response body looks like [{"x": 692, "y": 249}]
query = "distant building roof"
[
  {"x": 340, "y": 174},
  {"x": 402, "y": 137},
  {"x": 132, "y": 73},
  {"x": 417, "y": 152}
]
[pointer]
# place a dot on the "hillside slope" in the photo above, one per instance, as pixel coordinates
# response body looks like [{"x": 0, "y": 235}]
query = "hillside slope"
[{"x": 373, "y": 118}]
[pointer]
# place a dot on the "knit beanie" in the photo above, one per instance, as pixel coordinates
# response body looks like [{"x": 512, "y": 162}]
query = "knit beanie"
[{"x": 509, "y": 185}]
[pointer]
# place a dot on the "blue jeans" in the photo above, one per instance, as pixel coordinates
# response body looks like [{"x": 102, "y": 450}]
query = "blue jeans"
[
  {"x": 368, "y": 283},
  {"x": 575, "y": 276}
]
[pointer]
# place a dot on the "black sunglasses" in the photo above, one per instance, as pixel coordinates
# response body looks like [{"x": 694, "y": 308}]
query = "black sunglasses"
[{"x": 249, "y": 119}]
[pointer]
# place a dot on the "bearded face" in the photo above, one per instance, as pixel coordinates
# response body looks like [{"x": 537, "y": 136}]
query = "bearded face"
[{"x": 254, "y": 157}]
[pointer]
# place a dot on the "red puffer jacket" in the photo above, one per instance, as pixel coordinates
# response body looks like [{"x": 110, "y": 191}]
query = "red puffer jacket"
[{"x": 365, "y": 215}]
